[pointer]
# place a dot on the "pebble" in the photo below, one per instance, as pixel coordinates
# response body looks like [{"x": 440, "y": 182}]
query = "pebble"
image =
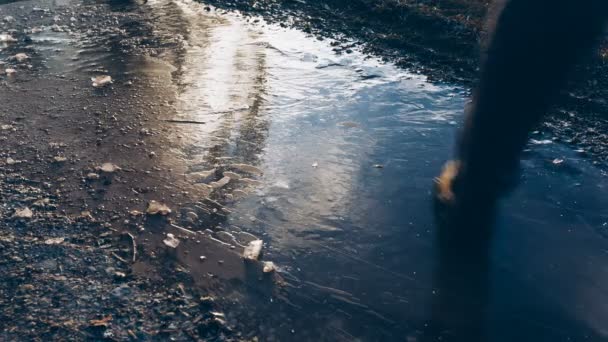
[
  {"x": 20, "y": 57},
  {"x": 101, "y": 81},
  {"x": 268, "y": 267},
  {"x": 171, "y": 241},
  {"x": 108, "y": 168},
  {"x": 157, "y": 208},
  {"x": 92, "y": 176},
  {"x": 24, "y": 213}
]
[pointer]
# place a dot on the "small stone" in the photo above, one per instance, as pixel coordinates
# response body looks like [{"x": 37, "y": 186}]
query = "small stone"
[
  {"x": 54, "y": 241},
  {"x": 315, "y": 165},
  {"x": 10, "y": 161},
  {"x": 24, "y": 213},
  {"x": 20, "y": 57},
  {"x": 42, "y": 203},
  {"x": 269, "y": 267},
  {"x": 92, "y": 176},
  {"x": 191, "y": 216},
  {"x": 59, "y": 159},
  {"x": 7, "y": 38},
  {"x": 157, "y": 208},
  {"x": 171, "y": 241},
  {"x": 202, "y": 258},
  {"x": 101, "y": 81},
  {"x": 108, "y": 168},
  {"x": 121, "y": 291},
  {"x": 208, "y": 300}
]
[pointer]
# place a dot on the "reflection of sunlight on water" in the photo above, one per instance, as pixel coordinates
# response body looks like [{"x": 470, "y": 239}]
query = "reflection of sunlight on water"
[{"x": 274, "y": 96}]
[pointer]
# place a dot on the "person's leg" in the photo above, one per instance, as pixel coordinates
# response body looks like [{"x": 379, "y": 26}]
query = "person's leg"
[{"x": 533, "y": 46}]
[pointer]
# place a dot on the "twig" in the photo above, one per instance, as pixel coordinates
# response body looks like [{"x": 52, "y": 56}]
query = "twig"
[
  {"x": 133, "y": 244},
  {"x": 188, "y": 231},
  {"x": 186, "y": 122},
  {"x": 119, "y": 258}
]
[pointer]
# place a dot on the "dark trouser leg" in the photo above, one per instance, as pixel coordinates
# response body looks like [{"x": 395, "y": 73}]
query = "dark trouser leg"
[{"x": 533, "y": 46}]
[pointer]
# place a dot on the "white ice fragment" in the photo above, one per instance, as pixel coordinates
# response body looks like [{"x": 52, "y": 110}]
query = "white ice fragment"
[
  {"x": 253, "y": 250},
  {"x": 269, "y": 267},
  {"x": 7, "y": 38},
  {"x": 541, "y": 142},
  {"x": 101, "y": 81}
]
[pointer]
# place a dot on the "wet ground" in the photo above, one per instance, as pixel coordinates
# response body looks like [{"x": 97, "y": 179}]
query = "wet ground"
[{"x": 249, "y": 130}]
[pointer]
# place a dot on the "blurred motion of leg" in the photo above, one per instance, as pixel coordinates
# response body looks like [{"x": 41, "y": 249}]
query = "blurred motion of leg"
[
  {"x": 461, "y": 278},
  {"x": 533, "y": 45}
]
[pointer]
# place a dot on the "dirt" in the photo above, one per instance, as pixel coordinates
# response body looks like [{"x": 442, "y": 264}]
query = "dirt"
[{"x": 79, "y": 165}]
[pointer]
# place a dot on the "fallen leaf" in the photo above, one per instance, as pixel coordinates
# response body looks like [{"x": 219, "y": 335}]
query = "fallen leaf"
[
  {"x": 24, "y": 213},
  {"x": 54, "y": 241},
  {"x": 104, "y": 322},
  {"x": 156, "y": 208}
]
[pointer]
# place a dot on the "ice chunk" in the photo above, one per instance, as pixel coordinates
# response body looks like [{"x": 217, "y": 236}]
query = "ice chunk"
[
  {"x": 253, "y": 250},
  {"x": 101, "y": 81}
]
